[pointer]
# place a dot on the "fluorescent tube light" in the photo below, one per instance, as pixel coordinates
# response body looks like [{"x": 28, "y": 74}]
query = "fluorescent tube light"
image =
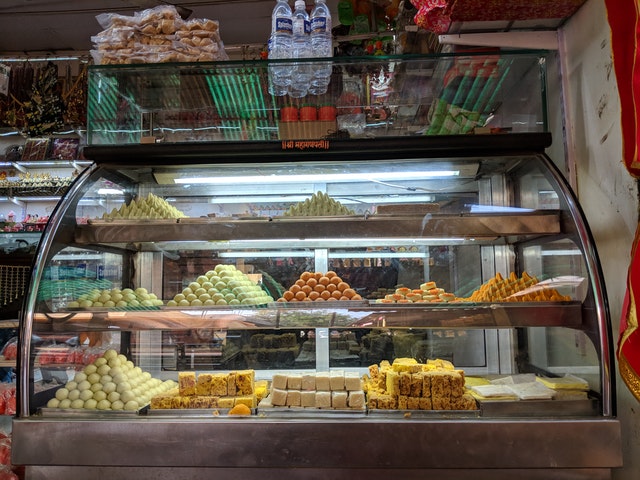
[
  {"x": 328, "y": 177},
  {"x": 110, "y": 191}
]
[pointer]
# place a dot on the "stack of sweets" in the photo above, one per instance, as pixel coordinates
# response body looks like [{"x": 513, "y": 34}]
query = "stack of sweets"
[
  {"x": 428, "y": 292},
  {"x": 514, "y": 289},
  {"x": 409, "y": 385},
  {"x": 322, "y": 390},
  {"x": 210, "y": 390}
]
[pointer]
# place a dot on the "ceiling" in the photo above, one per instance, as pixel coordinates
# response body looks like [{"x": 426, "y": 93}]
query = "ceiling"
[{"x": 63, "y": 26}]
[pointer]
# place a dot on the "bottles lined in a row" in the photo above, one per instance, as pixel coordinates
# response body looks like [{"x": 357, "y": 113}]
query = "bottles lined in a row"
[{"x": 296, "y": 34}]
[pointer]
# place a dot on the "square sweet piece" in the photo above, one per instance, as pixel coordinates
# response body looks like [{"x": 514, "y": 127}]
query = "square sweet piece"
[
  {"x": 425, "y": 403},
  {"x": 352, "y": 381},
  {"x": 294, "y": 382},
  {"x": 336, "y": 380},
  {"x": 323, "y": 399},
  {"x": 402, "y": 402},
  {"x": 405, "y": 383},
  {"x": 293, "y": 398},
  {"x": 219, "y": 384},
  {"x": 416, "y": 384},
  {"x": 393, "y": 383},
  {"x": 323, "y": 382},
  {"x": 180, "y": 401},
  {"x": 245, "y": 380},
  {"x": 413, "y": 403},
  {"x": 265, "y": 403},
  {"x": 426, "y": 385},
  {"x": 187, "y": 383},
  {"x": 308, "y": 382},
  {"x": 231, "y": 384},
  {"x": 226, "y": 402},
  {"x": 278, "y": 397},
  {"x": 356, "y": 399},
  {"x": 308, "y": 398},
  {"x": 279, "y": 381},
  {"x": 339, "y": 398},
  {"x": 203, "y": 384},
  {"x": 248, "y": 400}
]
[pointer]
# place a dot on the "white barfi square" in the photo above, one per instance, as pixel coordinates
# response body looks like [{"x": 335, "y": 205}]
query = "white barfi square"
[
  {"x": 336, "y": 380},
  {"x": 308, "y": 398},
  {"x": 278, "y": 397},
  {"x": 308, "y": 382},
  {"x": 352, "y": 381},
  {"x": 279, "y": 381},
  {"x": 356, "y": 399},
  {"x": 323, "y": 399},
  {"x": 294, "y": 382},
  {"x": 293, "y": 398},
  {"x": 323, "y": 382},
  {"x": 339, "y": 398}
]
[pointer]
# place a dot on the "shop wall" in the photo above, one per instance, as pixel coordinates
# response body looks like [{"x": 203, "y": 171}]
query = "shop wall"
[{"x": 607, "y": 193}]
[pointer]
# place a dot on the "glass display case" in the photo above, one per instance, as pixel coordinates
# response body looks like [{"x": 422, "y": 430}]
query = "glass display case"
[
  {"x": 453, "y": 257},
  {"x": 372, "y": 96}
]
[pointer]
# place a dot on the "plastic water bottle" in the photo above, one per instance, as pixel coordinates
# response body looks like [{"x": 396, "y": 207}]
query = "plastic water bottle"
[
  {"x": 321, "y": 46},
  {"x": 279, "y": 47},
  {"x": 301, "y": 48}
]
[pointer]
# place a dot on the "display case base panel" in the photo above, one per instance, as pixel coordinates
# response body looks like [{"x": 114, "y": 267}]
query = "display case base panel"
[{"x": 196, "y": 473}]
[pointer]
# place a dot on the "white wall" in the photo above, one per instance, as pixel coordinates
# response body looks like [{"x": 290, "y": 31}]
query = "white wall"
[{"x": 607, "y": 193}]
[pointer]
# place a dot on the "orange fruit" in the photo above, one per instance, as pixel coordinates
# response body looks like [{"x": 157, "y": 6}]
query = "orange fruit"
[
  {"x": 305, "y": 276},
  {"x": 330, "y": 274},
  {"x": 312, "y": 282},
  {"x": 319, "y": 288},
  {"x": 301, "y": 296},
  {"x": 324, "y": 281},
  {"x": 288, "y": 295},
  {"x": 342, "y": 286},
  {"x": 326, "y": 295},
  {"x": 307, "y": 289}
]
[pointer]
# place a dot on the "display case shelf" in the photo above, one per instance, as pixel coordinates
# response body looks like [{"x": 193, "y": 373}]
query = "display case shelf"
[
  {"x": 340, "y": 314},
  {"x": 465, "y": 226}
]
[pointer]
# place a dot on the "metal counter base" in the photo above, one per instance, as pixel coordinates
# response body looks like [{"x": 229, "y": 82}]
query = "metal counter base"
[{"x": 249, "y": 447}]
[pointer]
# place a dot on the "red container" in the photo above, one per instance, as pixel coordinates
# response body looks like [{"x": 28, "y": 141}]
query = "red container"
[
  {"x": 308, "y": 113},
  {"x": 289, "y": 114},
  {"x": 327, "y": 112}
]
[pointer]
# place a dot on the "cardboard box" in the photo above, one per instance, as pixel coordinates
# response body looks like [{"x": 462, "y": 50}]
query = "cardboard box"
[{"x": 306, "y": 130}]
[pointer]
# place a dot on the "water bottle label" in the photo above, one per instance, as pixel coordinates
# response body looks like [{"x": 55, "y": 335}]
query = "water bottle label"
[
  {"x": 319, "y": 25},
  {"x": 300, "y": 27},
  {"x": 284, "y": 25}
]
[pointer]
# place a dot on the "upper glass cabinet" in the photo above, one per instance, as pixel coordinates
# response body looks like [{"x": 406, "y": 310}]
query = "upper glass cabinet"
[{"x": 366, "y": 97}]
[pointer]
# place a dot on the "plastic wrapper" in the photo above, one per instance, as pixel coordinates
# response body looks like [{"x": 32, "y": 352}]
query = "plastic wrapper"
[
  {"x": 36, "y": 149},
  {"x": 156, "y": 35},
  {"x": 65, "y": 148},
  {"x": 10, "y": 349}
]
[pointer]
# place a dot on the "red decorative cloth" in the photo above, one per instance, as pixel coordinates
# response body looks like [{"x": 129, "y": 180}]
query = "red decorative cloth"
[
  {"x": 623, "y": 16},
  {"x": 437, "y": 15}
]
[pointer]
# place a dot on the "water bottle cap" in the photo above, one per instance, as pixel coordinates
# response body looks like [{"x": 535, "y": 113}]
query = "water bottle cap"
[{"x": 300, "y": 4}]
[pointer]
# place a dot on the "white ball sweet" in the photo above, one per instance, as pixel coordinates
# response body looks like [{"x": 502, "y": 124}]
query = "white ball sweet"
[{"x": 62, "y": 393}]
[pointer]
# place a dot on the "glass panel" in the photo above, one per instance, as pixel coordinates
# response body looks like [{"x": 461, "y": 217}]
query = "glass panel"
[{"x": 367, "y": 97}]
